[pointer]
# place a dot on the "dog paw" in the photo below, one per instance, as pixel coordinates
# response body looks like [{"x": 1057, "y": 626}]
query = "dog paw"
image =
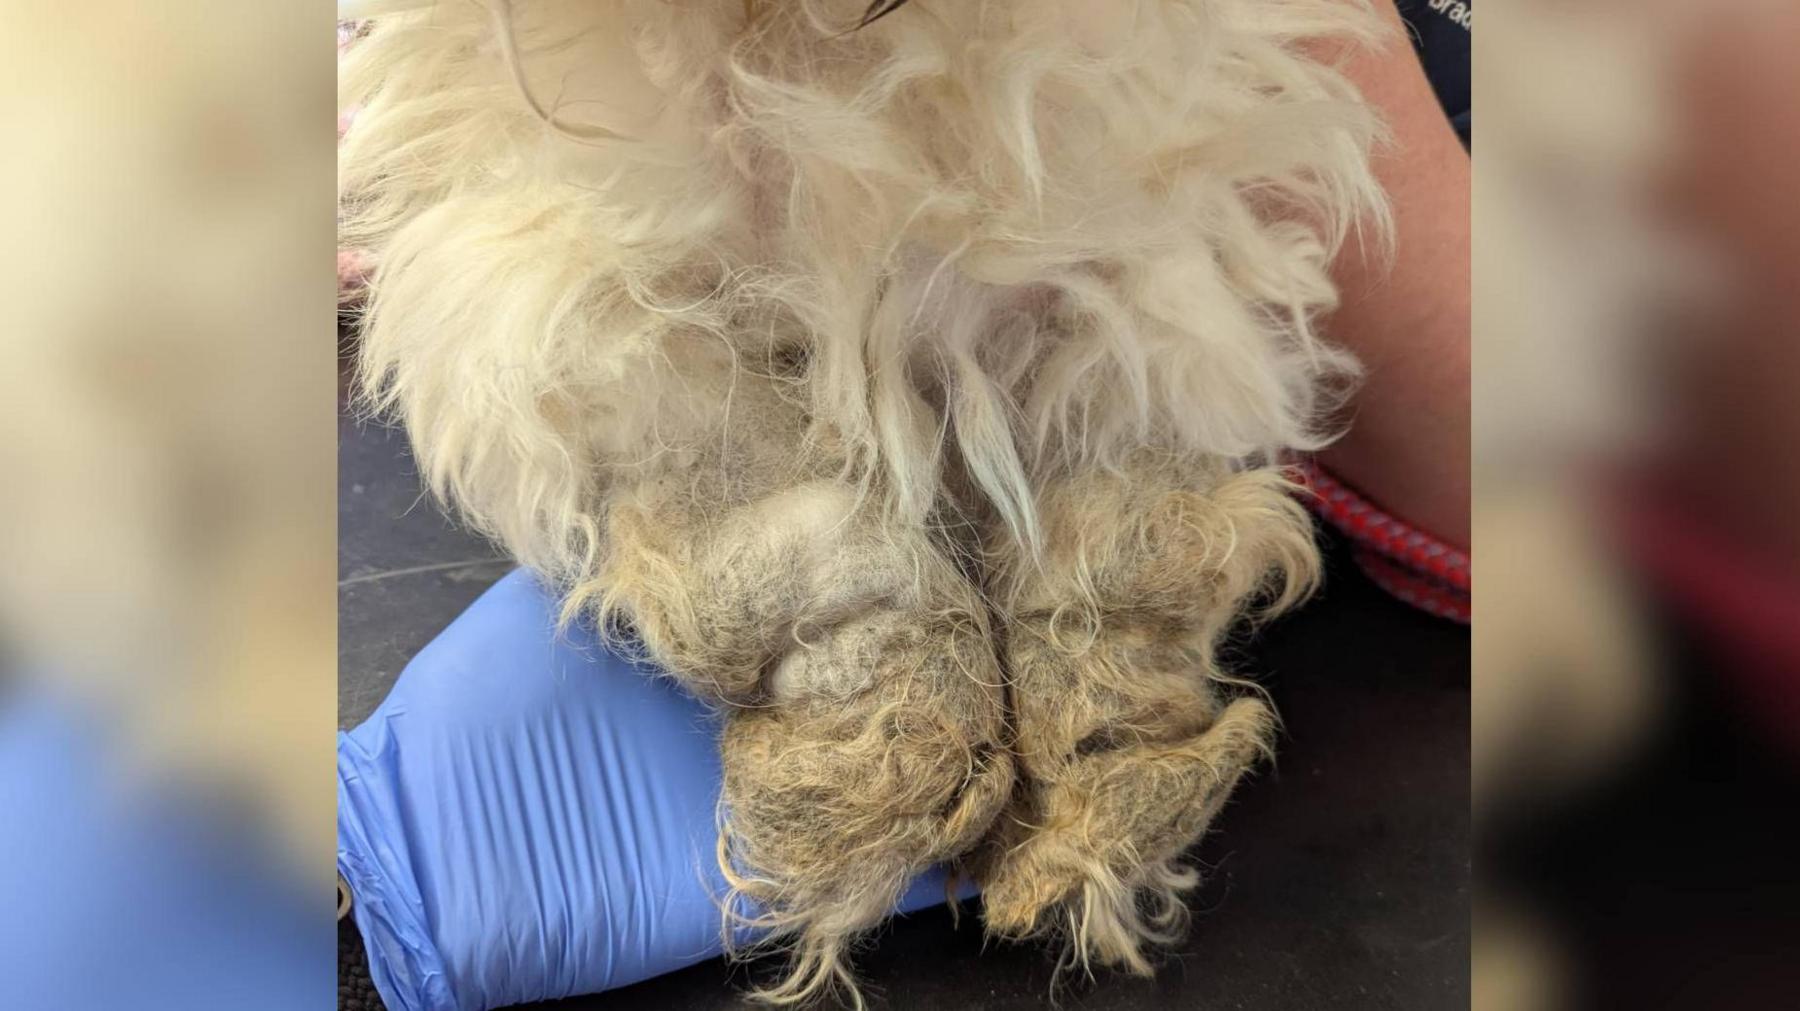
[
  {"x": 881, "y": 757},
  {"x": 1093, "y": 850}
]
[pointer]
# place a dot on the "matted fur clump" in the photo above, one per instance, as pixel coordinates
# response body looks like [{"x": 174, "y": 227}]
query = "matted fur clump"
[
  {"x": 1125, "y": 748},
  {"x": 911, "y": 387}
]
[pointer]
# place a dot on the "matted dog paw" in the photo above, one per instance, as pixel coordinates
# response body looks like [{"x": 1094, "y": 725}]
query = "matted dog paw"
[
  {"x": 834, "y": 800},
  {"x": 1093, "y": 852}
]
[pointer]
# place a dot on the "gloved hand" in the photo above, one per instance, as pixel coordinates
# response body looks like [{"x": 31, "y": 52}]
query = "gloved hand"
[{"x": 528, "y": 816}]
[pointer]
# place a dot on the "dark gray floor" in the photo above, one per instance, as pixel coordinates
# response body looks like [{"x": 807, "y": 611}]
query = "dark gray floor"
[
  {"x": 1340, "y": 880},
  {"x": 403, "y": 569}
]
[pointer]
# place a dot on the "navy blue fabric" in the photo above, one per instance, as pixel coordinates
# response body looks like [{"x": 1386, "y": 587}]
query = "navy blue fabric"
[
  {"x": 528, "y": 816},
  {"x": 1441, "y": 31}
]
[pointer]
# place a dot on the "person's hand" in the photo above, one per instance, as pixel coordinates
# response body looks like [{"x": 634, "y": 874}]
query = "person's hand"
[{"x": 528, "y": 816}]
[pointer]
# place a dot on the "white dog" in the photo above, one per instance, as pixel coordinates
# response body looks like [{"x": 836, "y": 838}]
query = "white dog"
[{"x": 908, "y": 378}]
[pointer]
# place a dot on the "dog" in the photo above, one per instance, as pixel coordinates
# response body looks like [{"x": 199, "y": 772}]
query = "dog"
[{"x": 911, "y": 380}]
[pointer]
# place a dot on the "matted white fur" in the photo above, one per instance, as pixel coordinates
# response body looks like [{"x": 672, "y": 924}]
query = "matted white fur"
[
  {"x": 1132, "y": 204},
  {"x": 769, "y": 299}
]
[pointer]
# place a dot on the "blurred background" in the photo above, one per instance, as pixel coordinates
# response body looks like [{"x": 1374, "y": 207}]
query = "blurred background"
[
  {"x": 1636, "y": 669},
  {"x": 167, "y": 480}
]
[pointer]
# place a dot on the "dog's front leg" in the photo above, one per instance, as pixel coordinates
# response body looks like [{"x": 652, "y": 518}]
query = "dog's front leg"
[
  {"x": 1129, "y": 737},
  {"x": 863, "y": 726}
]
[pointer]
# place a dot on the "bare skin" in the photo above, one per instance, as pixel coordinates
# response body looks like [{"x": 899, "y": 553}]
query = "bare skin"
[{"x": 1408, "y": 443}]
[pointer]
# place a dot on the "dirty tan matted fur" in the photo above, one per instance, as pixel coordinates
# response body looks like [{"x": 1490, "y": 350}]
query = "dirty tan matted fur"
[{"x": 913, "y": 391}]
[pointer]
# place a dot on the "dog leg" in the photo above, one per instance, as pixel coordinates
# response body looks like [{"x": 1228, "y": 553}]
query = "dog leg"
[
  {"x": 863, "y": 733},
  {"x": 882, "y": 756},
  {"x": 1127, "y": 746}
]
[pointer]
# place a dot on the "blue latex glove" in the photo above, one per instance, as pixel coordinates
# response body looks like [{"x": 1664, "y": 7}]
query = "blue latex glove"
[{"x": 528, "y": 817}]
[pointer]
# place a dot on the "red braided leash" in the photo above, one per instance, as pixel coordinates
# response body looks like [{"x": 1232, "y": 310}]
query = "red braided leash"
[{"x": 1403, "y": 560}]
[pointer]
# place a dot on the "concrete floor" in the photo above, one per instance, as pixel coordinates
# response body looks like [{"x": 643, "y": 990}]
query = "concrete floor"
[{"x": 1339, "y": 880}]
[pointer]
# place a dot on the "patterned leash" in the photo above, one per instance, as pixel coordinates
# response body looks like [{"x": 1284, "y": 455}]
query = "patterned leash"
[{"x": 1406, "y": 562}]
